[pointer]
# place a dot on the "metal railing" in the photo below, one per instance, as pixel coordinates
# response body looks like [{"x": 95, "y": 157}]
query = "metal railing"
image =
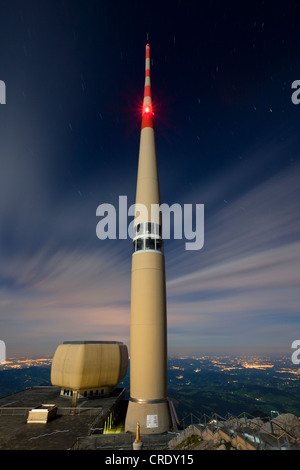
[
  {"x": 10, "y": 411},
  {"x": 261, "y": 432}
]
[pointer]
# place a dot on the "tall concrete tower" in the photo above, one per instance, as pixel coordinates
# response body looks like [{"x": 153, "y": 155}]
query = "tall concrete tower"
[{"x": 148, "y": 405}]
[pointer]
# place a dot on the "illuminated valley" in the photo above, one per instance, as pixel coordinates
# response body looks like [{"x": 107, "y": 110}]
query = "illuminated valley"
[{"x": 197, "y": 384}]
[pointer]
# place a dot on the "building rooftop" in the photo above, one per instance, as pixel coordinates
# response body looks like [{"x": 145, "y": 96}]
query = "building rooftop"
[{"x": 61, "y": 432}]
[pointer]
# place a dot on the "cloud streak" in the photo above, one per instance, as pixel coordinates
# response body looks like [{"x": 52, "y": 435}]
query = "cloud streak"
[
  {"x": 247, "y": 276},
  {"x": 58, "y": 281}
]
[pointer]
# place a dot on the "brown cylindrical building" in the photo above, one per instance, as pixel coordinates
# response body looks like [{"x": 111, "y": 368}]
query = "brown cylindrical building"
[{"x": 148, "y": 404}]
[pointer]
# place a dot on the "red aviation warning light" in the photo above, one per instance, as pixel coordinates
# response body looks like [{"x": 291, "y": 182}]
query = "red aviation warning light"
[
  {"x": 147, "y": 117},
  {"x": 147, "y": 109}
]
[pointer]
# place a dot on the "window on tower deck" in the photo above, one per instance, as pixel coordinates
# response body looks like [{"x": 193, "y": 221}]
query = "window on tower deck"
[
  {"x": 148, "y": 227},
  {"x": 139, "y": 244},
  {"x": 149, "y": 243},
  {"x": 148, "y": 237},
  {"x": 159, "y": 245}
]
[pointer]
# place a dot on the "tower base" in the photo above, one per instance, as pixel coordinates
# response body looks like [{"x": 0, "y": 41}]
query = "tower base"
[{"x": 153, "y": 417}]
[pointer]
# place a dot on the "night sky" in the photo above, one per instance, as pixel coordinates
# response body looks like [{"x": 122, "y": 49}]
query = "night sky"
[{"x": 227, "y": 136}]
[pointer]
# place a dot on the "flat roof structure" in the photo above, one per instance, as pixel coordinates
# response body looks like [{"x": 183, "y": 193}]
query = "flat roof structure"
[{"x": 61, "y": 431}]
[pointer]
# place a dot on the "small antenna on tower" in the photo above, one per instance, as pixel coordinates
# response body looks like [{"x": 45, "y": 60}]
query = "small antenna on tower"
[{"x": 147, "y": 37}]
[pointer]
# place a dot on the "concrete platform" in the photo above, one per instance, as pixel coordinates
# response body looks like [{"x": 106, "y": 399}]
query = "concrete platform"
[
  {"x": 60, "y": 433},
  {"x": 123, "y": 442}
]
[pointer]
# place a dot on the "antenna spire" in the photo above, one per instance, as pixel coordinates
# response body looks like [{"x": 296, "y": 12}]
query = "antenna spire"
[{"x": 147, "y": 118}]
